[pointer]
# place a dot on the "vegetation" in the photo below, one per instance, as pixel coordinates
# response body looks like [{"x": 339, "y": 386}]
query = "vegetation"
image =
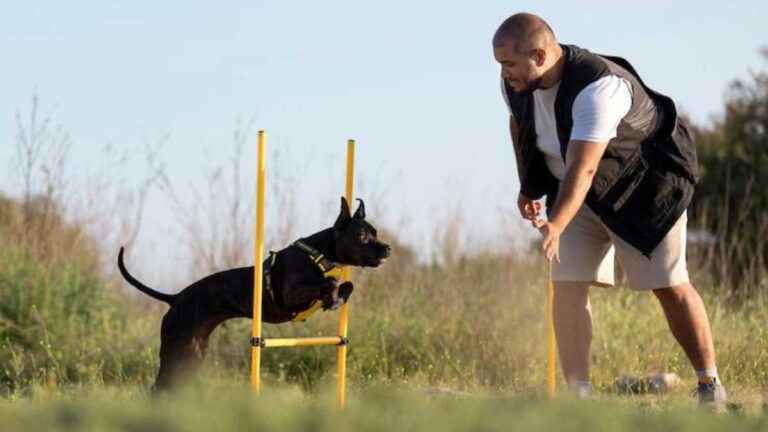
[
  {"x": 730, "y": 204},
  {"x": 456, "y": 343}
]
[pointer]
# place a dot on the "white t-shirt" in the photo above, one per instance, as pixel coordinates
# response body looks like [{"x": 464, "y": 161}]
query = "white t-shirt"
[{"x": 597, "y": 111}]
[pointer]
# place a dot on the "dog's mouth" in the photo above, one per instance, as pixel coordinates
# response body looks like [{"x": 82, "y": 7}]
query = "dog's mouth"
[
  {"x": 376, "y": 258},
  {"x": 374, "y": 262}
]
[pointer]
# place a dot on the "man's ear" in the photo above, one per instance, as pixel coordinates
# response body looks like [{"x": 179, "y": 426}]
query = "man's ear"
[
  {"x": 360, "y": 213},
  {"x": 539, "y": 56},
  {"x": 344, "y": 215}
]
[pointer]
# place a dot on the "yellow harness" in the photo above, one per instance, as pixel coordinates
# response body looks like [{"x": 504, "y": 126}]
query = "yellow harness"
[{"x": 329, "y": 269}]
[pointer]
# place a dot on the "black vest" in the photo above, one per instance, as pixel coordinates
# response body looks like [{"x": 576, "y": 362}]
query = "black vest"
[{"x": 644, "y": 181}]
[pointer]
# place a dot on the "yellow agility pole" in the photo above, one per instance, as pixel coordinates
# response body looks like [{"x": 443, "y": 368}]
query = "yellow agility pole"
[
  {"x": 551, "y": 341},
  {"x": 257, "y": 341},
  {"x": 258, "y": 268},
  {"x": 341, "y": 350},
  {"x": 297, "y": 342}
]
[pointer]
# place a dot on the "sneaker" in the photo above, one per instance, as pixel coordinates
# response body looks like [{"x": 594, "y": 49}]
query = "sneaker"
[
  {"x": 712, "y": 395},
  {"x": 581, "y": 389}
]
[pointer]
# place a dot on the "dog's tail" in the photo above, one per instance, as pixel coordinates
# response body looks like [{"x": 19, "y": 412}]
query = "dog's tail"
[{"x": 168, "y": 298}]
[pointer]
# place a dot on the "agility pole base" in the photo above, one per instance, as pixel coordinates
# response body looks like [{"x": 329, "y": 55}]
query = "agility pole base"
[{"x": 257, "y": 342}]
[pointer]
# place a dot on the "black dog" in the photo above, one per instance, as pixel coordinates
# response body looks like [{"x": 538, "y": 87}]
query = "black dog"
[{"x": 298, "y": 280}]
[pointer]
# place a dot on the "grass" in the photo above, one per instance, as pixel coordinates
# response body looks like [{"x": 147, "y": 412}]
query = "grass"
[
  {"x": 231, "y": 407},
  {"x": 456, "y": 344}
]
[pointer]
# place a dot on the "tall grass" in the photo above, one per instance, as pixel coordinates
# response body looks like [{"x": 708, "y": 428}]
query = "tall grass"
[
  {"x": 466, "y": 322},
  {"x": 59, "y": 322},
  {"x": 475, "y": 323}
]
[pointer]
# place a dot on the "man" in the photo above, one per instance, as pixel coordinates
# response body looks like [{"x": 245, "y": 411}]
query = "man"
[{"x": 618, "y": 168}]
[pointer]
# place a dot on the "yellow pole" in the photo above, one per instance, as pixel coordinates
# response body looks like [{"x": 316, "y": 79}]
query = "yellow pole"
[
  {"x": 298, "y": 342},
  {"x": 344, "y": 314},
  {"x": 551, "y": 341},
  {"x": 258, "y": 269}
]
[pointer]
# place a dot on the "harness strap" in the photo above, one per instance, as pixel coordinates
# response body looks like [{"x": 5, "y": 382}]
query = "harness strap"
[
  {"x": 324, "y": 264},
  {"x": 267, "y": 270},
  {"x": 306, "y": 313}
]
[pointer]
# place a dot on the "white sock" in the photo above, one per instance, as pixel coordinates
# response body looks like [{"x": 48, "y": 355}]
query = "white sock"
[
  {"x": 582, "y": 388},
  {"x": 707, "y": 375}
]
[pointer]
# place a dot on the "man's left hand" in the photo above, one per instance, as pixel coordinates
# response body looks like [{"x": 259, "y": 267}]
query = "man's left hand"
[{"x": 551, "y": 242}]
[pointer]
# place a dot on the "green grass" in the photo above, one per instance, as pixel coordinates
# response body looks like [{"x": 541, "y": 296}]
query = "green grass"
[
  {"x": 457, "y": 345},
  {"x": 234, "y": 408}
]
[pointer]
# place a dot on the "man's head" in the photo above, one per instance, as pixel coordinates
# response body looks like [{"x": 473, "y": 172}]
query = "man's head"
[
  {"x": 527, "y": 49},
  {"x": 356, "y": 242}
]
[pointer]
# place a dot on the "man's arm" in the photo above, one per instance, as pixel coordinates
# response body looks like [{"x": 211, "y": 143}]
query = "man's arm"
[
  {"x": 581, "y": 163},
  {"x": 597, "y": 112},
  {"x": 529, "y": 209},
  {"x": 514, "y": 132}
]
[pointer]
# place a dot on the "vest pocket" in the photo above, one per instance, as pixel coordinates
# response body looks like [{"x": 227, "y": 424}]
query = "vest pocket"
[
  {"x": 648, "y": 213},
  {"x": 653, "y": 199},
  {"x": 613, "y": 195}
]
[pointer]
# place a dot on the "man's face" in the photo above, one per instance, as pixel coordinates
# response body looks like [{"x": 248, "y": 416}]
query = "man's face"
[{"x": 520, "y": 71}]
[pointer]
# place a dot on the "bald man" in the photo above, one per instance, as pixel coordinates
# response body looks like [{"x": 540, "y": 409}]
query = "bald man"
[{"x": 618, "y": 168}]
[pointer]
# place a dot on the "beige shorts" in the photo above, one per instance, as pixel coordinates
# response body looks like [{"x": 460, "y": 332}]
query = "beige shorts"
[{"x": 587, "y": 249}]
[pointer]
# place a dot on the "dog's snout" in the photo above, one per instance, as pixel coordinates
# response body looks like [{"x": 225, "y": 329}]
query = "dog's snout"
[{"x": 387, "y": 251}]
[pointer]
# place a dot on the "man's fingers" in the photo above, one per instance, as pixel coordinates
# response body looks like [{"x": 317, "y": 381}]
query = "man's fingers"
[
  {"x": 548, "y": 243},
  {"x": 551, "y": 248},
  {"x": 552, "y": 254},
  {"x": 525, "y": 211},
  {"x": 548, "y": 255},
  {"x": 528, "y": 207}
]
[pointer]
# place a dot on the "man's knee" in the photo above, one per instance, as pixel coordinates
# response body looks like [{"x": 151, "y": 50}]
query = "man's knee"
[
  {"x": 676, "y": 294},
  {"x": 565, "y": 289},
  {"x": 569, "y": 295}
]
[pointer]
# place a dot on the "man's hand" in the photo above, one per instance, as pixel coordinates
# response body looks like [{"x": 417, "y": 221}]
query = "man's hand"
[
  {"x": 529, "y": 209},
  {"x": 551, "y": 242}
]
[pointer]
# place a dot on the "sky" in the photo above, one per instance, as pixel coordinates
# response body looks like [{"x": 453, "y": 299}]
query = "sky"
[{"x": 414, "y": 83}]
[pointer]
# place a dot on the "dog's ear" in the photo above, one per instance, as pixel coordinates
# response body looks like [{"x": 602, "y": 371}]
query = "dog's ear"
[
  {"x": 360, "y": 213},
  {"x": 344, "y": 215}
]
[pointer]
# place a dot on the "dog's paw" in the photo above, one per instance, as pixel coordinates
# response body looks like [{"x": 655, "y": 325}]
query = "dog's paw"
[
  {"x": 345, "y": 290},
  {"x": 331, "y": 302}
]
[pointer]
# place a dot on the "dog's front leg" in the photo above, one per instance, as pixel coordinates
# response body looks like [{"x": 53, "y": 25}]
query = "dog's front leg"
[{"x": 338, "y": 296}]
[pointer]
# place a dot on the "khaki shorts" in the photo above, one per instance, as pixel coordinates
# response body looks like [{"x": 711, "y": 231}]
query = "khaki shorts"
[{"x": 587, "y": 249}]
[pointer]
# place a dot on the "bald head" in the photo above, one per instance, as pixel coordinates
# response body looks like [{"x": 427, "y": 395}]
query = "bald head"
[
  {"x": 525, "y": 32},
  {"x": 527, "y": 50}
]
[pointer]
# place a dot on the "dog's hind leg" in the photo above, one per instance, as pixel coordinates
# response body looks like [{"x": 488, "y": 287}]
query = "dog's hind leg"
[
  {"x": 173, "y": 357},
  {"x": 202, "y": 332},
  {"x": 176, "y": 347},
  {"x": 182, "y": 349}
]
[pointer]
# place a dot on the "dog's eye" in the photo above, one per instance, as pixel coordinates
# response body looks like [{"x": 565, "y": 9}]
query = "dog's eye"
[{"x": 363, "y": 237}]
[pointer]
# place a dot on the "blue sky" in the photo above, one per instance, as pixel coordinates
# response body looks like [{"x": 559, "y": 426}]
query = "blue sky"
[{"x": 414, "y": 82}]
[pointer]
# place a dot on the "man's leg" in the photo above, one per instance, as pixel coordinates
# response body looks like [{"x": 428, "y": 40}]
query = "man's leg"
[
  {"x": 573, "y": 328},
  {"x": 688, "y": 322}
]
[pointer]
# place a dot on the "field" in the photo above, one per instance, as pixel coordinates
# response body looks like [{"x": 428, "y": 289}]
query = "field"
[
  {"x": 454, "y": 345},
  {"x": 454, "y": 341}
]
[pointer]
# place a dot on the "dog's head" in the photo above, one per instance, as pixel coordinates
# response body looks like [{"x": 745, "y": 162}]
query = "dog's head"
[{"x": 356, "y": 242}]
